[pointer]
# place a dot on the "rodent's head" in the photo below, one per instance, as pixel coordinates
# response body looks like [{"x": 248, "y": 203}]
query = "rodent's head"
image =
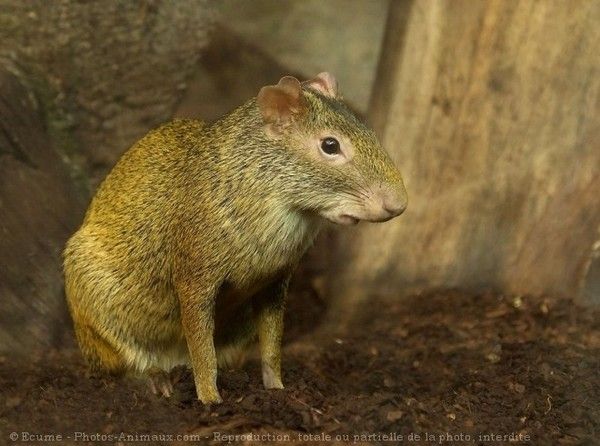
[{"x": 338, "y": 167}]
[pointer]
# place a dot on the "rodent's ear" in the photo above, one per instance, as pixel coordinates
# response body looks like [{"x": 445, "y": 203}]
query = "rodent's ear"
[
  {"x": 277, "y": 103},
  {"x": 325, "y": 84}
]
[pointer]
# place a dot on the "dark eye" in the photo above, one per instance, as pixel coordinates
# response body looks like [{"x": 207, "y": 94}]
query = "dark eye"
[{"x": 330, "y": 146}]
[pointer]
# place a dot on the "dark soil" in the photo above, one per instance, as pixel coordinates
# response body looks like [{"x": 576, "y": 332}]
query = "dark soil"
[{"x": 485, "y": 367}]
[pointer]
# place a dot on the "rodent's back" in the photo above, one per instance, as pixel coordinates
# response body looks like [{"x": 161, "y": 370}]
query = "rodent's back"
[
  {"x": 146, "y": 176},
  {"x": 118, "y": 265},
  {"x": 135, "y": 206}
]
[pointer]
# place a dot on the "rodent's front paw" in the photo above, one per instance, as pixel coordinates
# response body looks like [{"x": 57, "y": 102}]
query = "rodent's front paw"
[
  {"x": 209, "y": 396},
  {"x": 270, "y": 379},
  {"x": 213, "y": 399}
]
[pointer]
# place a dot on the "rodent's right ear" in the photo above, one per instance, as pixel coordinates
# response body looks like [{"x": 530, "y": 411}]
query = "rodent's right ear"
[{"x": 278, "y": 103}]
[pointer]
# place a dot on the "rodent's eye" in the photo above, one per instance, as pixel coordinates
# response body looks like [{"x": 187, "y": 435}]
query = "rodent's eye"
[{"x": 330, "y": 146}]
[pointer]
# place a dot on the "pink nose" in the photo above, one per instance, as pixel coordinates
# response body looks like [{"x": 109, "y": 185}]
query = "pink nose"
[
  {"x": 394, "y": 200},
  {"x": 394, "y": 211}
]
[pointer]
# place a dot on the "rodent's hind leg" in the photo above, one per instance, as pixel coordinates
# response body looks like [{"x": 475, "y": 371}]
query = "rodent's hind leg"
[
  {"x": 100, "y": 355},
  {"x": 160, "y": 382}
]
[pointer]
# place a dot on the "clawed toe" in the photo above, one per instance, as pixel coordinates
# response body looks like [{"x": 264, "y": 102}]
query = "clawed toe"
[{"x": 160, "y": 383}]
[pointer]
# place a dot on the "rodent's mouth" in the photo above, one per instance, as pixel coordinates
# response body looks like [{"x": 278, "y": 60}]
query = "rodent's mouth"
[{"x": 343, "y": 219}]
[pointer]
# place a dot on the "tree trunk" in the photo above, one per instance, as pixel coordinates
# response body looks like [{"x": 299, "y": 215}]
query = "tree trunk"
[{"x": 490, "y": 109}]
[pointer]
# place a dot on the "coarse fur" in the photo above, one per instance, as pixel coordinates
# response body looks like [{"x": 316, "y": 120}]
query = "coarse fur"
[{"x": 193, "y": 236}]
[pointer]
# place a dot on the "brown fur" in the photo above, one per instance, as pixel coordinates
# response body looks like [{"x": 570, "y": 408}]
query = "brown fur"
[{"x": 186, "y": 250}]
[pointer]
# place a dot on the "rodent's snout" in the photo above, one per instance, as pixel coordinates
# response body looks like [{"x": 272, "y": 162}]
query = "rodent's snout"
[
  {"x": 381, "y": 203},
  {"x": 386, "y": 203}
]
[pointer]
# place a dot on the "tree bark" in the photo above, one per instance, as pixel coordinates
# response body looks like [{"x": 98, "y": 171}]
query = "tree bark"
[{"x": 490, "y": 109}]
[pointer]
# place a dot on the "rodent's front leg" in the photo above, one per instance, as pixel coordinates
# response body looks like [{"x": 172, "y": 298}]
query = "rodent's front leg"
[
  {"x": 197, "y": 301},
  {"x": 269, "y": 307}
]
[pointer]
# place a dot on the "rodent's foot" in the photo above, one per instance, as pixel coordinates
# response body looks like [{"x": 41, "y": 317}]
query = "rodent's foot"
[
  {"x": 160, "y": 383},
  {"x": 211, "y": 397},
  {"x": 271, "y": 380}
]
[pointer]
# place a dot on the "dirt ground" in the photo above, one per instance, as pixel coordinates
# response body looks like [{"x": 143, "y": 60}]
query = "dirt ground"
[{"x": 442, "y": 366}]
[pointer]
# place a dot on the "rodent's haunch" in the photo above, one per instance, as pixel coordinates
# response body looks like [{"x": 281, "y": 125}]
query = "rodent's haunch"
[{"x": 186, "y": 250}]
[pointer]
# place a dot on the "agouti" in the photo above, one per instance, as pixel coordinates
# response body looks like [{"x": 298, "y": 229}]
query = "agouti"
[{"x": 185, "y": 252}]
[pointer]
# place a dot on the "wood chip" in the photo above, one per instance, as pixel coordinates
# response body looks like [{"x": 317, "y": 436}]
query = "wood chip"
[{"x": 394, "y": 415}]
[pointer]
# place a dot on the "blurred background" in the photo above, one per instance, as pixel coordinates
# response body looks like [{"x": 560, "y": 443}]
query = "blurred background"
[
  {"x": 474, "y": 312},
  {"x": 490, "y": 109}
]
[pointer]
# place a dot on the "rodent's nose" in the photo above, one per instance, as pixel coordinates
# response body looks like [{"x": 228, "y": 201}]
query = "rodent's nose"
[
  {"x": 394, "y": 209},
  {"x": 395, "y": 201},
  {"x": 386, "y": 202}
]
